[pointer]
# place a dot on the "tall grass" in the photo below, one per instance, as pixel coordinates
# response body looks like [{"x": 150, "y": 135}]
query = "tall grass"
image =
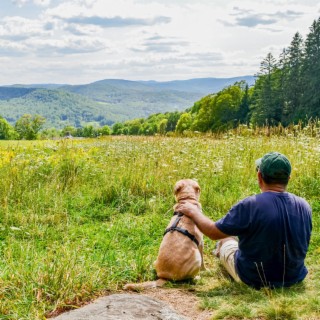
[{"x": 79, "y": 218}]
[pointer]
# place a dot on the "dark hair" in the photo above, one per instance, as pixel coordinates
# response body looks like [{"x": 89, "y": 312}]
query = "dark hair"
[{"x": 269, "y": 180}]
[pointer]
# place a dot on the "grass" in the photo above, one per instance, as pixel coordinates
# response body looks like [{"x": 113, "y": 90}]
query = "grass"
[{"x": 79, "y": 218}]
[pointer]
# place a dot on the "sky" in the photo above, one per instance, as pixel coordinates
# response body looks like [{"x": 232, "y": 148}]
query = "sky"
[{"x": 82, "y": 41}]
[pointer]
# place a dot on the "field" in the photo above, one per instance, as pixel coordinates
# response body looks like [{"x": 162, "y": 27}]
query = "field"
[{"x": 80, "y": 218}]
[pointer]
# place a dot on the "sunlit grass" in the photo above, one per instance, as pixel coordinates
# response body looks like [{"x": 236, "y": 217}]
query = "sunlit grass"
[{"x": 82, "y": 217}]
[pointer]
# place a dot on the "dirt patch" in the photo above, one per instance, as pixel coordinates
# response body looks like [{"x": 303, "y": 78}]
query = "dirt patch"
[
  {"x": 184, "y": 299},
  {"x": 184, "y": 302}
]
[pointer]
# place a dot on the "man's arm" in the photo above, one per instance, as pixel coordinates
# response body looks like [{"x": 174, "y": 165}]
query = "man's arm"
[{"x": 205, "y": 225}]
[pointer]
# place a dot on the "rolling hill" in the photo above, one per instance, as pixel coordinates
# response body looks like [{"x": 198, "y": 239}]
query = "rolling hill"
[
  {"x": 106, "y": 101},
  {"x": 201, "y": 85}
]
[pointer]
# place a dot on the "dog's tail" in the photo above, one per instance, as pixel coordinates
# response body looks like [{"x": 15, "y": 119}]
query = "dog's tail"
[{"x": 145, "y": 285}]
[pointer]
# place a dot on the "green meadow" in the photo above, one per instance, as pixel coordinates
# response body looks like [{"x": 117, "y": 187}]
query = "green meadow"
[{"x": 80, "y": 218}]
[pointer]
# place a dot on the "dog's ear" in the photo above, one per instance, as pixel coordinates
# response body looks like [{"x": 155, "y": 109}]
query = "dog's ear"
[
  {"x": 197, "y": 188},
  {"x": 177, "y": 188}
]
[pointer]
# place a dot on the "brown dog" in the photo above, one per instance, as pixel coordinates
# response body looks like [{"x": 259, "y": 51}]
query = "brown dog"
[{"x": 181, "y": 251}]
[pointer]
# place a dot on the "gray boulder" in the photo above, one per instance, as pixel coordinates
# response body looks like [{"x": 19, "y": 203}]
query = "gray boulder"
[{"x": 123, "y": 307}]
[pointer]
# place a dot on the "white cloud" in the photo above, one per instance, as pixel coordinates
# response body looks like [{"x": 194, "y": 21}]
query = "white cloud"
[
  {"x": 20, "y": 3},
  {"x": 19, "y": 28},
  {"x": 81, "y": 30},
  {"x": 86, "y": 40},
  {"x": 116, "y": 21},
  {"x": 43, "y": 3},
  {"x": 11, "y": 49},
  {"x": 70, "y": 45}
]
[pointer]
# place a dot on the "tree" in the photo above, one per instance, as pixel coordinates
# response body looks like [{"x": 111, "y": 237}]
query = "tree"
[
  {"x": 6, "y": 130},
  {"x": 50, "y": 133},
  {"x": 151, "y": 125},
  {"x": 163, "y": 126},
  {"x": 173, "y": 118},
  {"x": 283, "y": 71},
  {"x": 134, "y": 126},
  {"x": 28, "y": 126},
  {"x": 293, "y": 85},
  {"x": 117, "y": 128},
  {"x": 311, "y": 71},
  {"x": 184, "y": 122},
  {"x": 226, "y": 108},
  {"x": 244, "y": 108},
  {"x": 267, "y": 108},
  {"x": 204, "y": 113},
  {"x": 68, "y": 131},
  {"x": 148, "y": 128},
  {"x": 104, "y": 131},
  {"x": 89, "y": 131}
]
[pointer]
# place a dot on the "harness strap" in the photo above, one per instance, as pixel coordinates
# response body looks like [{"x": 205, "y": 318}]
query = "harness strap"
[
  {"x": 174, "y": 227},
  {"x": 179, "y": 216},
  {"x": 185, "y": 232}
]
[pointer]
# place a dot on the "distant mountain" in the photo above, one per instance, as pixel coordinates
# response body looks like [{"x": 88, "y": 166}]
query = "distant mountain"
[
  {"x": 111, "y": 89},
  {"x": 60, "y": 108},
  {"x": 200, "y": 85},
  {"x": 7, "y": 93},
  {"x": 38, "y": 86},
  {"x": 106, "y": 101},
  {"x": 128, "y": 93}
]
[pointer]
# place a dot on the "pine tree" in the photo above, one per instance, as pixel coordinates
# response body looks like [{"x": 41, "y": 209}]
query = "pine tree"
[
  {"x": 267, "y": 109},
  {"x": 294, "y": 82},
  {"x": 283, "y": 71},
  {"x": 311, "y": 72}
]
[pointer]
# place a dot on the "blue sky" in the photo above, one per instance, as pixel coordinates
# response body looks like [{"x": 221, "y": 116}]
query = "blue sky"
[{"x": 81, "y": 41}]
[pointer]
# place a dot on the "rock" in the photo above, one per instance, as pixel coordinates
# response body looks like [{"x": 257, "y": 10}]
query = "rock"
[{"x": 123, "y": 307}]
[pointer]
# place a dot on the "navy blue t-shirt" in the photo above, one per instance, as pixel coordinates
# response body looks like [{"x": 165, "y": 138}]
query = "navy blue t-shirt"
[{"x": 274, "y": 231}]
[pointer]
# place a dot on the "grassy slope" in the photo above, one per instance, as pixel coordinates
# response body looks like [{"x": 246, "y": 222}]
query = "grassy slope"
[{"x": 84, "y": 216}]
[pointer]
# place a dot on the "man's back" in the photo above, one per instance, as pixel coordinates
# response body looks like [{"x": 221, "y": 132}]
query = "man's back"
[{"x": 274, "y": 231}]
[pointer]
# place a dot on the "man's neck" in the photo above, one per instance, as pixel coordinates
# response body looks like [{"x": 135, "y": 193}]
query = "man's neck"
[{"x": 273, "y": 188}]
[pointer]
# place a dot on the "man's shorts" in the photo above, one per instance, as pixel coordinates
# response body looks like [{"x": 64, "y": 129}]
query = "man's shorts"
[{"x": 227, "y": 253}]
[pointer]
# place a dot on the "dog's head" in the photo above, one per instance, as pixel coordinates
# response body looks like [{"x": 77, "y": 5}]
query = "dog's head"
[{"x": 187, "y": 189}]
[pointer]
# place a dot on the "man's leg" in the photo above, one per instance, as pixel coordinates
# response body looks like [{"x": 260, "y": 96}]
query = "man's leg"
[{"x": 225, "y": 252}]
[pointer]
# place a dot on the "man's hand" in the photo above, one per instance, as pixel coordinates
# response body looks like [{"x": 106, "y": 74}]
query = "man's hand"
[
  {"x": 206, "y": 225},
  {"x": 188, "y": 209}
]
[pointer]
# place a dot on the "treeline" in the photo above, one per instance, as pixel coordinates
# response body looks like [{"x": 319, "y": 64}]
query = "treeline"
[
  {"x": 286, "y": 91},
  {"x": 29, "y": 127},
  {"x": 213, "y": 112}
]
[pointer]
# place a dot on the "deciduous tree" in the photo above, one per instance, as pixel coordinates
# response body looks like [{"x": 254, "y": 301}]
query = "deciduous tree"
[
  {"x": 6, "y": 130},
  {"x": 28, "y": 126}
]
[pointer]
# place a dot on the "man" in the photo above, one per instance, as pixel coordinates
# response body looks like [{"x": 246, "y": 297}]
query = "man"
[{"x": 273, "y": 229}]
